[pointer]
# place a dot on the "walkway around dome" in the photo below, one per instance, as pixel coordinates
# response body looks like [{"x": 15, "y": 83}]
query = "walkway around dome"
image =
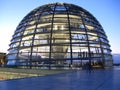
[{"x": 77, "y": 80}]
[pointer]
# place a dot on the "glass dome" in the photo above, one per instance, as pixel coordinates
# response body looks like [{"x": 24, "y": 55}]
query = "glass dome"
[{"x": 59, "y": 35}]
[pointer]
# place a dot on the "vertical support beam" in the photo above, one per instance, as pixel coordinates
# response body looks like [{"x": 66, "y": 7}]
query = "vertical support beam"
[
  {"x": 88, "y": 44},
  {"x": 69, "y": 27},
  {"x": 36, "y": 24},
  {"x": 32, "y": 44},
  {"x": 102, "y": 53},
  {"x": 20, "y": 42},
  {"x": 51, "y": 32}
]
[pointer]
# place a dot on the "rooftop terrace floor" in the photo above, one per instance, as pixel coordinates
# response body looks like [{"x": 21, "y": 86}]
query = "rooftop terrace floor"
[{"x": 76, "y": 80}]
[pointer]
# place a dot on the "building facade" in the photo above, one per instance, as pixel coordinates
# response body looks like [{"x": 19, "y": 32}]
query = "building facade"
[
  {"x": 2, "y": 59},
  {"x": 59, "y": 35}
]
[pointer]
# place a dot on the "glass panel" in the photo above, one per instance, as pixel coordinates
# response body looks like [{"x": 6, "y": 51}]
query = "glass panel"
[
  {"x": 24, "y": 55},
  {"x": 41, "y": 49},
  {"x": 30, "y": 27},
  {"x": 27, "y": 38},
  {"x": 38, "y": 42},
  {"x": 26, "y": 43},
  {"x": 14, "y": 45},
  {"x": 15, "y": 40},
  {"x": 12, "y": 56},
  {"x": 89, "y": 27},
  {"x": 13, "y": 51},
  {"x": 59, "y": 8},
  {"x": 28, "y": 32},
  {"x": 60, "y": 52},
  {"x": 78, "y": 38}
]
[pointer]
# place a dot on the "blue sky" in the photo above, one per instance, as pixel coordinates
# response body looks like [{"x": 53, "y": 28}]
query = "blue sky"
[{"x": 106, "y": 11}]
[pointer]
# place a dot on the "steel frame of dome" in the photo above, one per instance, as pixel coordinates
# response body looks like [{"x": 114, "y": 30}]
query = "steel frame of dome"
[{"x": 59, "y": 34}]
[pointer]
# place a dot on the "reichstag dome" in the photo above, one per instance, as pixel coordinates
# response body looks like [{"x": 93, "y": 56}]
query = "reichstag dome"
[{"x": 59, "y": 35}]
